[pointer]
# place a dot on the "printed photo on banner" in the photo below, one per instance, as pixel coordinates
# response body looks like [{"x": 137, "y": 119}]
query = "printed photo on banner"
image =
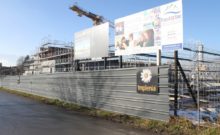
[{"x": 150, "y": 30}]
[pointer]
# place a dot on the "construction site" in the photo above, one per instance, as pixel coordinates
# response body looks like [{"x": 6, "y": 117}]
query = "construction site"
[
  {"x": 52, "y": 56},
  {"x": 187, "y": 79}
]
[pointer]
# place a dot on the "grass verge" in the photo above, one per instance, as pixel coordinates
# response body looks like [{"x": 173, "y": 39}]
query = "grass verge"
[{"x": 175, "y": 126}]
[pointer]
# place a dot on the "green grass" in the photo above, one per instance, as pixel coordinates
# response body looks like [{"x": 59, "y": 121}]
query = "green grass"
[{"x": 175, "y": 126}]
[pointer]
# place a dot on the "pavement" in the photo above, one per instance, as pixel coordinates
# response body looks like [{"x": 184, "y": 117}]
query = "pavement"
[{"x": 24, "y": 116}]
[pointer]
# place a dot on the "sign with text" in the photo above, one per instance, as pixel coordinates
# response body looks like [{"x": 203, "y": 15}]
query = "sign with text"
[
  {"x": 150, "y": 30},
  {"x": 147, "y": 80},
  {"x": 92, "y": 42}
]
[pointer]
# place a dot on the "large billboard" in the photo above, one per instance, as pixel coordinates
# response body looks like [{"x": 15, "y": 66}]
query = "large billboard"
[
  {"x": 150, "y": 30},
  {"x": 92, "y": 42}
]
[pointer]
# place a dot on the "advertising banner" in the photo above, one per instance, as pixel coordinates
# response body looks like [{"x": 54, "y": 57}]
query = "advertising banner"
[
  {"x": 150, "y": 30},
  {"x": 147, "y": 80},
  {"x": 92, "y": 42}
]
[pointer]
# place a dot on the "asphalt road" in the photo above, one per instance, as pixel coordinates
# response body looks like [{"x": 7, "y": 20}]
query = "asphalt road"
[{"x": 23, "y": 116}]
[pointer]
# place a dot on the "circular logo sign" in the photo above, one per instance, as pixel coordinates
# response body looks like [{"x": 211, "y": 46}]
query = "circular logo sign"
[{"x": 146, "y": 75}]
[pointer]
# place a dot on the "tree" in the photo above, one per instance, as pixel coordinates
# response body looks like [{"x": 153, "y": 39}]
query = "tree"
[
  {"x": 26, "y": 58},
  {"x": 20, "y": 64}
]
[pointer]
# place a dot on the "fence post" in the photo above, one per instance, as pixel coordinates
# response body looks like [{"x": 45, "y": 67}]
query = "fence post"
[
  {"x": 105, "y": 62},
  {"x": 175, "y": 82},
  {"x": 77, "y": 65},
  {"x": 120, "y": 61},
  {"x": 158, "y": 57},
  {"x": 72, "y": 59}
]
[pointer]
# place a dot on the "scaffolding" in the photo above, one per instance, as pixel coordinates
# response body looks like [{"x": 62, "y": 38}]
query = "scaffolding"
[{"x": 52, "y": 56}]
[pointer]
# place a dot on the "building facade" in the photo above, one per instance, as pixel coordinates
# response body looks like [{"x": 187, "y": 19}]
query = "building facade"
[{"x": 51, "y": 57}]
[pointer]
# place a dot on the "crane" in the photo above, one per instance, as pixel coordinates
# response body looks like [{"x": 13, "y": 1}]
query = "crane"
[{"x": 97, "y": 19}]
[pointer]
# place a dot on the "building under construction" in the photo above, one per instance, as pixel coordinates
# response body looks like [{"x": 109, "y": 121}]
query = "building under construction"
[{"x": 51, "y": 57}]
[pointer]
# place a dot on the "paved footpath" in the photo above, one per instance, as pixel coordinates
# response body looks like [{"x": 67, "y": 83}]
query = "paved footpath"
[{"x": 23, "y": 116}]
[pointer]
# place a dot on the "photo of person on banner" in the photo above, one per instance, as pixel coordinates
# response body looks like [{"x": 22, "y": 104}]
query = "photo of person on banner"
[
  {"x": 146, "y": 38},
  {"x": 142, "y": 39}
]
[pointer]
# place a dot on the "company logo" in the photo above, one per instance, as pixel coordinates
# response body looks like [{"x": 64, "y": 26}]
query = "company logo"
[
  {"x": 172, "y": 9},
  {"x": 146, "y": 76}
]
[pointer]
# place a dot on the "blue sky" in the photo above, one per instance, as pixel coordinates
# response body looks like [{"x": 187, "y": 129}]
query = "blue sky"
[{"x": 24, "y": 23}]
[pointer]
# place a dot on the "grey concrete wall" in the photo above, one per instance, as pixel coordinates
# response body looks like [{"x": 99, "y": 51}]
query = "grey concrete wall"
[{"x": 112, "y": 90}]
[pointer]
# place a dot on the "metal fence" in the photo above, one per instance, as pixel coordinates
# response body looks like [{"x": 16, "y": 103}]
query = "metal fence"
[
  {"x": 194, "y": 83},
  {"x": 197, "y": 82},
  {"x": 112, "y": 90}
]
